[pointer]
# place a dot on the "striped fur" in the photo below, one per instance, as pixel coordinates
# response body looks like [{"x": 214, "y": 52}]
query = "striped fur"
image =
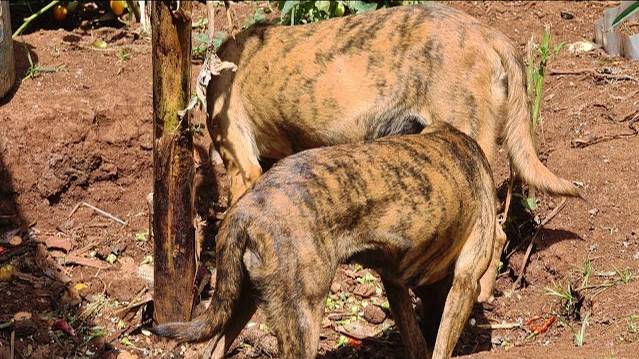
[
  {"x": 392, "y": 71},
  {"x": 416, "y": 208}
]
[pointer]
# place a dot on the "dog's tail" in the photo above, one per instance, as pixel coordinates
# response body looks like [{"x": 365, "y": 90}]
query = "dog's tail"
[
  {"x": 517, "y": 133},
  {"x": 231, "y": 244}
]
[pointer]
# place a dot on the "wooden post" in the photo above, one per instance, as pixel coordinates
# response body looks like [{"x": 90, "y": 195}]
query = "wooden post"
[{"x": 173, "y": 232}]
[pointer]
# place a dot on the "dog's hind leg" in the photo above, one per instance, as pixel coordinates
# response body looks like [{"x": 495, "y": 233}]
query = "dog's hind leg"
[
  {"x": 404, "y": 315},
  {"x": 487, "y": 281},
  {"x": 243, "y": 312},
  {"x": 433, "y": 298},
  {"x": 297, "y": 326},
  {"x": 470, "y": 266}
]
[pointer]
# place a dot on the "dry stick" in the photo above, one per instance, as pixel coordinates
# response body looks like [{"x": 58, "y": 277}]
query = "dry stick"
[
  {"x": 106, "y": 214},
  {"x": 499, "y": 326},
  {"x": 509, "y": 196},
  {"x": 593, "y": 73},
  {"x": 13, "y": 344},
  {"x": 548, "y": 218},
  {"x": 580, "y": 143}
]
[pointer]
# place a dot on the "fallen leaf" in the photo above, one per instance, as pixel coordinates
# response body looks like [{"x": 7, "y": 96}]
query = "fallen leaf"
[
  {"x": 582, "y": 46},
  {"x": 58, "y": 243},
  {"x": 80, "y": 286},
  {"x": 87, "y": 262},
  {"x": 99, "y": 44},
  {"x": 63, "y": 326},
  {"x": 126, "y": 355},
  {"x": 364, "y": 290},
  {"x": 16, "y": 240},
  {"x": 111, "y": 258},
  {"x": 358, "y": 330},
  {"x": 22, "y": 316},
  {"x": 145, "y": 272},
  {"x": 6, "y": 272},
  {"x": 70, "y": 296}
]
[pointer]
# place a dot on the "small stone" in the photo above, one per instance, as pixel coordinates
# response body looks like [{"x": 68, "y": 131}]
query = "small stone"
[
  {"x": 364, "y": 290},
  {"x": 16, "y": 240},
  {"x": 374, "y": 314},
  {"x": 335, "y": 287},
  {"x": 566, "y": 15},
  {"x": 126, "y": 355},
  {"x": 107, "y": 171}
]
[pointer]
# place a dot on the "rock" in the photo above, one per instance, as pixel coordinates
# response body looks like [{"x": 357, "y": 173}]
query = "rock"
[
  {"x": 107, "y": 171},
  {"x": 566, "y": 15},
  {"x": 145, "y": 272},
  {"x": 335, "y": 287},
  {"x": 58, "y": 243},
  {"x": 126, "y": 355},
  {"x": 374, "y": 314},
  {"x": 358, "y": 330},
  {"x": 364, "y": 290}
]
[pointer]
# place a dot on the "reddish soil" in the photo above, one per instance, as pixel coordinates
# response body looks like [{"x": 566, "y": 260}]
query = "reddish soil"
[{"x": 84, "y": 134}]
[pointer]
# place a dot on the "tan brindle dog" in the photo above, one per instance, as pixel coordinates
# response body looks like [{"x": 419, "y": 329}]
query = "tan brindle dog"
[
  {"x": 416, "y": 208},
  {"x": 392, "y": 71}
]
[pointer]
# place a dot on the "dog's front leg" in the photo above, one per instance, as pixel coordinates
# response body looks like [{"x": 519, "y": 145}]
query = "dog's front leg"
[{"x": 404, "y": 316}]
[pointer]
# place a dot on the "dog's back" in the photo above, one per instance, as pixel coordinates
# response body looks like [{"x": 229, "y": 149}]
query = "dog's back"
[
  {"x": 404, "y": 191},
  {"x": 417, "y": 208}
]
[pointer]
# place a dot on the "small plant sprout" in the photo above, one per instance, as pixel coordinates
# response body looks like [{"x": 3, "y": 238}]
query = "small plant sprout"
[
  {"x": 580, "y": 336},
  {"x": 34, "y": 70},
  {"x": 586, "y": 273},
  {"x": 566, "y": 294},
  {"x": 625, "y": 276},
  {"x": 633, "y": 324},
  {"x": 367, "y": 278},
  {"x": 123, "y": 54},
  {"x": 142, "y": 236},
  {"x": 342, "y": 341},
  {"x": 537, "y": 71}
]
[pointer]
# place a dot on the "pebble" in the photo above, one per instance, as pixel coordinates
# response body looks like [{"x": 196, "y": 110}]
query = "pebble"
[{"x": 374, "y": 314}]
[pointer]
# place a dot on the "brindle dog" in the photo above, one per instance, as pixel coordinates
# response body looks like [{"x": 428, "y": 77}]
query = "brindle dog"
[
  {"x": 388, "y": 72},
  {"x": 416, "y": 208}
]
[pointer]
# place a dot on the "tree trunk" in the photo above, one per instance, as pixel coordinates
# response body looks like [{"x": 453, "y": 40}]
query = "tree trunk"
[{"x": 173, "y": 232}]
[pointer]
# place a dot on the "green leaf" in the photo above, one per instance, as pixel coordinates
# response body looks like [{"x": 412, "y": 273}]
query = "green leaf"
[
  {"x": 126, "y": 341},
  {"x": 142, "y": 236},
  {"x": 111, "y": 258},
  {"x": 99, "y": 44},
  {"x": 531, "y": 203},
  {"x": 97, "y": 332},
  {"x": 323, "y": 6},
  {"x": 342, "y": 341},
  {"x": 288, "y": 6},
  {"x": 359, "y": 7},
  {"x": 626, "y": 13}
]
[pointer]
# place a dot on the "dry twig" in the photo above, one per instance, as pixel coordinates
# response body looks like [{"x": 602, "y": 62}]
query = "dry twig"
[
  {"x": 524, "y": 262},
  {"x": 104, "y": 213},
  {"x": 499, "y": 326},
  {"x": 595, "y": 74}
]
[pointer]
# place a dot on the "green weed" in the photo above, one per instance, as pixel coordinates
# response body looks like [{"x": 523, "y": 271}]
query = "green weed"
[{"x": 34, "y": 70}]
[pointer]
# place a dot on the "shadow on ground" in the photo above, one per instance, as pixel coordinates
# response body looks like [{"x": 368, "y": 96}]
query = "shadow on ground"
[{"x": 37, "y": 296}]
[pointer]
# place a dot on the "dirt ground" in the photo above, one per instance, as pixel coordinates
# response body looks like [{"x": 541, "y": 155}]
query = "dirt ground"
[{"x": 83, "y": 134}]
